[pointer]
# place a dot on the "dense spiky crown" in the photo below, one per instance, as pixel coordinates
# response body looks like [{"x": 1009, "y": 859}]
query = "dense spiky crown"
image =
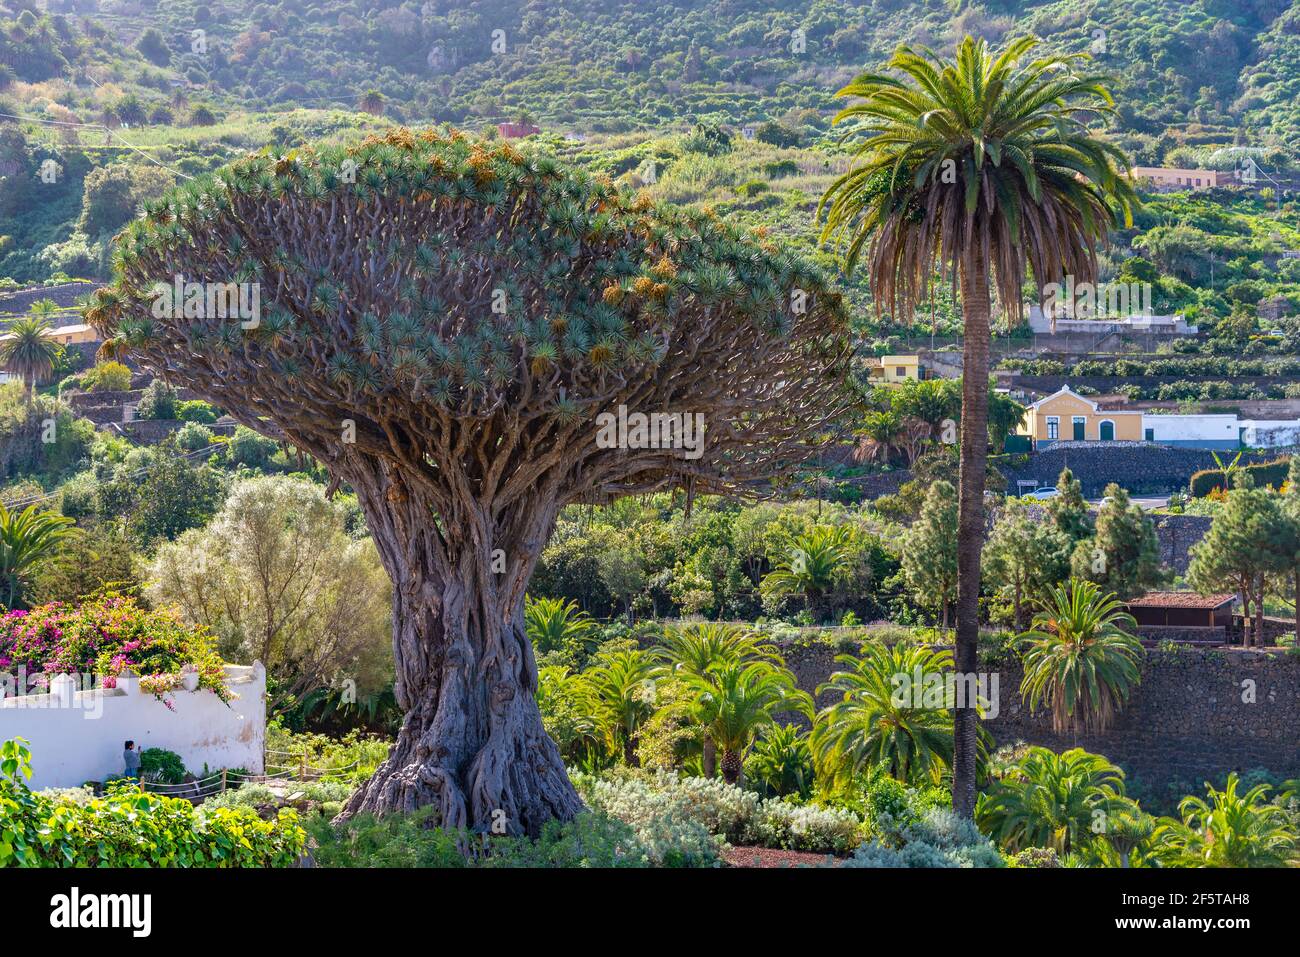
[{"x": 428, "y": 286}]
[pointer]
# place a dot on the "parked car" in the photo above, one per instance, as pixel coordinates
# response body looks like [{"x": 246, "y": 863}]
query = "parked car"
[{"x": 1044, "y": 493}]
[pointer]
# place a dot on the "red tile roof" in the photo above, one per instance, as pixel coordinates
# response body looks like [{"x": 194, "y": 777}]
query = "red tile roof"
[{"x": 1180, "y": 599}]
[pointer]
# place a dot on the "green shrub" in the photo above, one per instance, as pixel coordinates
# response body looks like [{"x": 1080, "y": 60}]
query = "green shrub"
[
  {"x": 938, "y": 839},
  {"x": 132, "y": 828},
  {"x": 107, "y": 377},
  {"x": 1264, "y": 473},
  {"x": 196, "y": 410},
  {"x": 194, "y": 436},
  {"x": 157, "y": 402},
  {"x": 394, "y": 840},
  {"x": 160, "y": 766}
]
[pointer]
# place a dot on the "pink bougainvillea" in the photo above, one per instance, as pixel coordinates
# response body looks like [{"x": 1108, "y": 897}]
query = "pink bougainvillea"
[{"x": 106, "y": 637}]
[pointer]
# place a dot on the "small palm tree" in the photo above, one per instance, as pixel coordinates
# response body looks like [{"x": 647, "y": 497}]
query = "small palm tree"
[
  {"x": 1080, "y": 658},
  {"x": 781, "y": 762},
  {"x": 29, "y": 351},
  {"x": 26, "y": 539},
  {"x": 813, "y": 566},
  {"x": 372, "y": 101},
  {"x": 45, "y": 309},
  {"x": 698, "y": 648},
  {"x": 875, "y": 720},
  {"x": 553, "y": 624},
  {"x": 1228, "y": 830},
  {"x": 880, "y": 435},
  {"x": 734, "y": 701},
  {"x": 984, "y": 167},
  {"x": 622, "y": 689},
  {"x": 1051, "y": 800}
]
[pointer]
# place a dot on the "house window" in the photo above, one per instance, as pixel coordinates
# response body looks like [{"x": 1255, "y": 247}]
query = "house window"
[
  {"x": 1151, "y": 435},
  {"x": 1053, "y": 426},
  {"x": 1106, "y": 431},
  {"x": 900, "y": 372}
]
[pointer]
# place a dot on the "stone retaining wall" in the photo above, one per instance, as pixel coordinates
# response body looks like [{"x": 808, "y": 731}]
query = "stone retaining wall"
[{"x": 1192, "y": 718}]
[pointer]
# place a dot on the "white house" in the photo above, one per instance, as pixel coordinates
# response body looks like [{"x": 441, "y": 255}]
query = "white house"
[
  {"x": 1041, "y": 323},
  {"x": 1270, "y": 433},
  {"x": 1193, "y": 431},
  {"x": 77, "y": 736}
]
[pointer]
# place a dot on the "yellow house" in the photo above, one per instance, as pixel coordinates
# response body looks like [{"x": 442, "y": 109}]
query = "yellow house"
[
  {"x": 1066, "y": 416},
  {"x": 74, "y": 335},
  {"x": 895, "y": 370}
]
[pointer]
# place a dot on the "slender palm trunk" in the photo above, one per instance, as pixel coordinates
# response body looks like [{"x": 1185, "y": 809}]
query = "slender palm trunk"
[
  {"x": 709, "y": 760},
  {"x": 970, "y": 515}
]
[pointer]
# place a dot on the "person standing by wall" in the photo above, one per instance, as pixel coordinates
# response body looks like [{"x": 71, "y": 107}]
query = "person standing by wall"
[{"x": 131, "y": 757}]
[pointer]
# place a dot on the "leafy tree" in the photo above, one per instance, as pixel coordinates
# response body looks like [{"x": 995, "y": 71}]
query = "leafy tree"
[
  {"x": 171, "y": 496},
  {"x": 1023, "y": 558},
  {"x": 276, "y": 578},
  {"x": 1051, "y": 800},
  {"x": 154, "y": 48},
  {"x": 985, "y": 164},
  {"x": 158, "y": 401},
  {"x": 1080, "y": 659},
  {"x": 870, "y": 722},
  {"x": 930, "y": 552},
  {"x": 27, "y": 539},
  {"x": 86, "y": 565},
  {"x": 1247, "y": 541},
  {"x": 443, "y": 334},
  {"x": 1069, "y": 509},
  {"x": 1123, "y": 556},
  {"x": 1227, "y": 830},
  {"x": 28, "y": 351}
]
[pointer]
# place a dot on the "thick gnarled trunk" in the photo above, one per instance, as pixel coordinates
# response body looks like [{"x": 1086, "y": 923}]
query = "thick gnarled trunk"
[
  {"x": 970, "y": 517},
  {"x": 472, "y": 743}
]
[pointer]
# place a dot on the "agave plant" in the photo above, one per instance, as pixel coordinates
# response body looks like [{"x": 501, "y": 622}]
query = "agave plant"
[
  {"x": 872, "y": 723},
  {"x": 1052, "y": 800},
  {"x": 1080, "y": 659},
  {"x": 1228, "y": 830}
]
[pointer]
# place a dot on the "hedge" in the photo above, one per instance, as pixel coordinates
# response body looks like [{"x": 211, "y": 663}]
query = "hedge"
[{"x": 1272, "y": 473}]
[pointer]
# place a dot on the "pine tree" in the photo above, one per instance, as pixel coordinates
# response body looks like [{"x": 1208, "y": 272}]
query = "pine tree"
[
  {"x": 1069, "y": 510},
  {"x": 1025, "y": 557},
  {"x": 1123, "y": 556},
  {"x": 930, "y": 551}
]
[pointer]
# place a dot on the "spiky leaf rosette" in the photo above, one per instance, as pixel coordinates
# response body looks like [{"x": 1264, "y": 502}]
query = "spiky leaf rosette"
[{"x": 472, "y": 309}]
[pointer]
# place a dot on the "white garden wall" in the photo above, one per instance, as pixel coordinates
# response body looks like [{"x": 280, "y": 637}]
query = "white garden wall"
[{"x": 77, "y": 736}]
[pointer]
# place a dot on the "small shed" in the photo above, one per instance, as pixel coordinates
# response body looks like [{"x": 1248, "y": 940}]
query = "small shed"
[{"x": 1182, "y": 609}]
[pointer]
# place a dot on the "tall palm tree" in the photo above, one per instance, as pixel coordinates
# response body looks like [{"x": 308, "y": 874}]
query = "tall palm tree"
[
  {"x": 1228, "y": 830},
  {"x": 980, "y": 165},
  {"x": 622, "y": 687},
  {"x": 734, "y": 701},
  {"x": 1080, "y": 659},
  {"x": 872, "y": 723},
  {"x": 1051, "y": 800},
  {"x": 28, "y": 350},
  {"x": 697, "y": 648},
  {"x": 26, "y": 539}
]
